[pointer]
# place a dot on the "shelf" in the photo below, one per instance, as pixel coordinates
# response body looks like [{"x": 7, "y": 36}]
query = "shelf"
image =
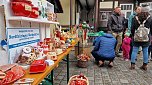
[{"x": 18, "y": 18}]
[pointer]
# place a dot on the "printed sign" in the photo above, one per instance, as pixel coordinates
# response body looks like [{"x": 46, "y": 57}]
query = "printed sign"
[{"x": 20, "y": 37}]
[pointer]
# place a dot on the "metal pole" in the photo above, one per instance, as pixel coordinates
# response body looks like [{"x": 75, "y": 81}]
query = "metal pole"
[
  {"x": 67, "y": 68},
  {"x": 75, "y": 11},
  {"x": 52, "y": 77}
]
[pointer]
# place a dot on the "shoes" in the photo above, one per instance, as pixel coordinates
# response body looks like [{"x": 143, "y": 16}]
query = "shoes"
[
  {"x": 144, "y": 67},
  {"x": 132, "y": 66},
  {"x": 110, "y": 64},
  {"x": 126, "y": 59},
  {"x": 118, "y": 54},
  {"x": 101, "y": 63}
]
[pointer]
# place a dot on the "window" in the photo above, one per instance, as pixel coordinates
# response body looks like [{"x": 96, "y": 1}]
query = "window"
[{"x": 126, "y": 9}]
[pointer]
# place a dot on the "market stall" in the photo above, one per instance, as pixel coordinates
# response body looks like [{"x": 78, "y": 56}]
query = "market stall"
[{"x": 33, "y": 42}]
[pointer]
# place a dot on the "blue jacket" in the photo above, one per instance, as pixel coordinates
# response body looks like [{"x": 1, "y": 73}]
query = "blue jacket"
[{"x": 104, "y": 46}]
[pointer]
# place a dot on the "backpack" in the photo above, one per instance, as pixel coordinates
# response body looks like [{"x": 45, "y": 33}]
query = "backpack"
[{"x": 141, "y": 34}]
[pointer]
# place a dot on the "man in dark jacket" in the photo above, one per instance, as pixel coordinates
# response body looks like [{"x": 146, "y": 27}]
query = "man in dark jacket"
[
  {"x": 116, "y": 26},
  {"x": 104, "y": 49}
]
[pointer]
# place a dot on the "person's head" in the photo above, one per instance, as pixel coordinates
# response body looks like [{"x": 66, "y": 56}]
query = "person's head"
[
  {"x": 117, "y": 10},
  {"x": 127, "y": 34},
  {"x": 138, "y": 9},
  {"x": 144, "y": 13}
]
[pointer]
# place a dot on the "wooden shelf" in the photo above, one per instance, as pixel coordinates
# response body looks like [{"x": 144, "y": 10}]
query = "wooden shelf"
[{"x": 20, "y": 18}]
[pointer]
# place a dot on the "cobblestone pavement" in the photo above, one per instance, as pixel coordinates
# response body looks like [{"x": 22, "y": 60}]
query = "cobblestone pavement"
[{"x": 120, "y": 74}]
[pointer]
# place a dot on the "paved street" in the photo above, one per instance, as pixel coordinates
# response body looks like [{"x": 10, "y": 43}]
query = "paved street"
[{"x": 120, "y": 74}]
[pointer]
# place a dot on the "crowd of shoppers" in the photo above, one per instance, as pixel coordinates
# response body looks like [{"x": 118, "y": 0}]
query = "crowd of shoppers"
[{"x": 108, "y": 46}]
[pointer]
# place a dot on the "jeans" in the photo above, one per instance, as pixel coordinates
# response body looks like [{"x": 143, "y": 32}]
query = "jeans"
[
  {"x": 98, "y": 57},
  {"x": 135, "y": 51}
]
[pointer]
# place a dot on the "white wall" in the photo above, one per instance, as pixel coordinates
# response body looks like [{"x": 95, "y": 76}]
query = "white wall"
[
  {"x": 64, "y": 18},
  {"x": 107, "y": 4}
]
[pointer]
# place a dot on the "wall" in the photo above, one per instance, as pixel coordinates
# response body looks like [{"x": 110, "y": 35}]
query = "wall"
[
  {"x": 64, "y": 18},
  {"x": 2, "y": 25},
  {"x": 107, "y": 4},
  {"x": 126, "y": 1},
  {"x": 3, "y": 53}
]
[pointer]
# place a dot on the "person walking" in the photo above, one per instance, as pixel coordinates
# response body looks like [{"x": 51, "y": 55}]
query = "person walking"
[
  {"x": 141, "y": 30},
  {"x": 116, "y": 26},
  {"x": 104, "y": 49}
]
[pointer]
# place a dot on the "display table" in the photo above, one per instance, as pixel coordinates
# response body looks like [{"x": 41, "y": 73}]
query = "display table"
[{"x": 40, "y": 76}]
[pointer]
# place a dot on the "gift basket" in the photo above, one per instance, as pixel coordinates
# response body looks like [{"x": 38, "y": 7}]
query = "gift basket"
[
  {"x": 78, "y": 80},
  {"x": 83, "y": 60}
]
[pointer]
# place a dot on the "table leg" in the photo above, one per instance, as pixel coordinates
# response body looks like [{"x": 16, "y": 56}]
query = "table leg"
[
  {"x": 78, "y": 48},
  {"x": 52, "y": 76},
  {"x": 67, "y": 68}
]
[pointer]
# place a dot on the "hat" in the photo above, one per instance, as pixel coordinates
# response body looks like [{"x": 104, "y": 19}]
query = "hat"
[
  {"x": 127, "y": 34},
  {"x": 145, "y": 8}
]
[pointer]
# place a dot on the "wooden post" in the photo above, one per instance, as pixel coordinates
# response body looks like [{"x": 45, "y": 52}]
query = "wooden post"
[
  {"x": 70, "y": 15},
  {"x": 96, "y": 14},
  {"x": 113, "y": 7}
]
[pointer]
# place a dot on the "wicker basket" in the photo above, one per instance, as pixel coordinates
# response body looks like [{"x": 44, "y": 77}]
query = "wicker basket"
[
  {"x": 73, "y": 78},
  {"x": 82, "y": 64}
]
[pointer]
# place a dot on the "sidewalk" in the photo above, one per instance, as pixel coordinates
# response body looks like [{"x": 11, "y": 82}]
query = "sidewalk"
[{"x": 120, "y": 74}]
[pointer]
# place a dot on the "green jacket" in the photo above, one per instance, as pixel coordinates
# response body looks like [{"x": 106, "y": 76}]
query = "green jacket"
[{"x": 130, "y": 21}]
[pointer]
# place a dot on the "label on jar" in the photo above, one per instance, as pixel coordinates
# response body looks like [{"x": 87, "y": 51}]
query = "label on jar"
[{"x": 28, "y": 8}]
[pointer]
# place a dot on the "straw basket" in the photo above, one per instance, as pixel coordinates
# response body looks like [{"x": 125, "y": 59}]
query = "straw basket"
[
  {"x": 82, "y": 64},
  {"x": 74, "y": 78}
]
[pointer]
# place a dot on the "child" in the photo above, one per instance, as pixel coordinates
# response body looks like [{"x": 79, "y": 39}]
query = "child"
[{"x": 126, "y": 46}]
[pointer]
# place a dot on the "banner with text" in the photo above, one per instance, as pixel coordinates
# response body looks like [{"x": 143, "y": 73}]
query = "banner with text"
[{"x": 20, "y": 37}]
